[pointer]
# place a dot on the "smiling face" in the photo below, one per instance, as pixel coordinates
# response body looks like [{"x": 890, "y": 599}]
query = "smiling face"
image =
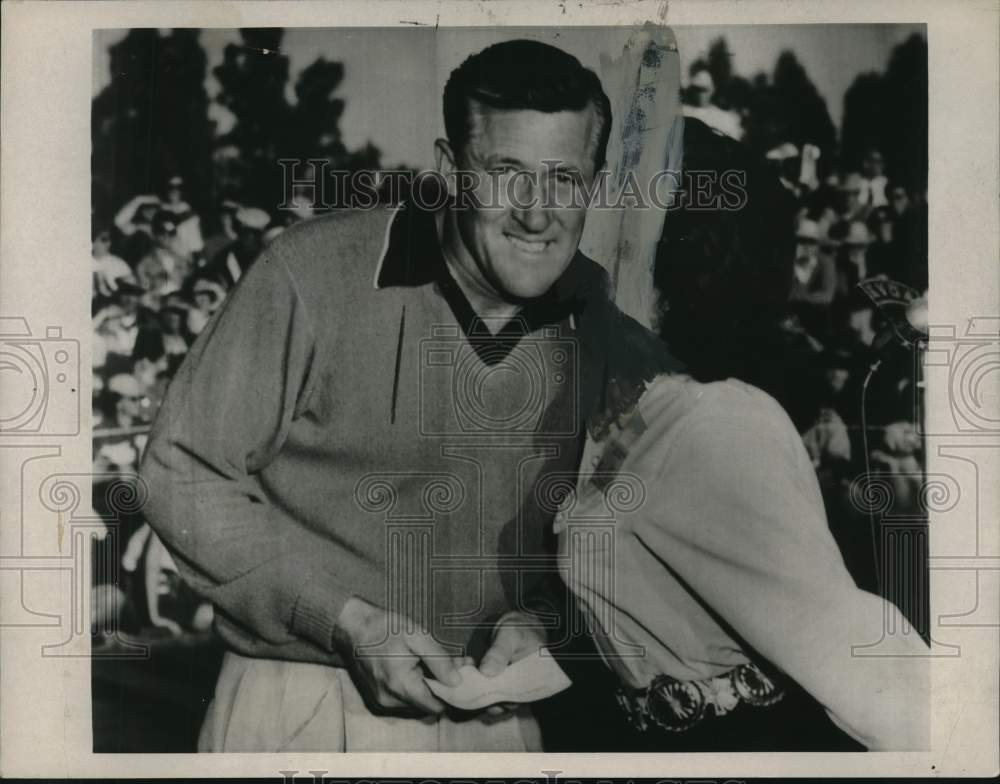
[{"x": 520, "y": 225}]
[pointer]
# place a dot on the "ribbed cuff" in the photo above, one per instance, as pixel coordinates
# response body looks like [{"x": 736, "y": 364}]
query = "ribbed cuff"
[{"x": 317, "y": 608}]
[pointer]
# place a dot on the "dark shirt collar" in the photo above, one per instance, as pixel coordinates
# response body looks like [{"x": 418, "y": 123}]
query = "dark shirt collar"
[{"x": 412, "y": 256}]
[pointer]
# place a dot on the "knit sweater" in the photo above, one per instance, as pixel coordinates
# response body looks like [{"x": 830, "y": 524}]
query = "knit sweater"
[{"x": 336, "y": 432}]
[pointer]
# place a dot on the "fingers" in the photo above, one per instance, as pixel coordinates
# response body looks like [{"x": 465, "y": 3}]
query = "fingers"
[
  {"x": 396, "y": 684},
  {"x": 416, "y": 694},
  {"x": 441, "y": 665},
  {"x": 496, "y": 659}
]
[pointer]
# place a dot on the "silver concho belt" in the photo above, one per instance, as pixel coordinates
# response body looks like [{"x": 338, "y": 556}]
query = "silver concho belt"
[{"x": 677, "y": 706}]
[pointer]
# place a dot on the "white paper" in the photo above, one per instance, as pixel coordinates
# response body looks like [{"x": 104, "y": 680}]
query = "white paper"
[{"x": 527, "y": 680}]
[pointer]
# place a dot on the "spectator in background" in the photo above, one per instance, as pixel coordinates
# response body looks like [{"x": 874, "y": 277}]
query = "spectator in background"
[
  {"x": 786, "y": 162},
  {"x": 875, "y": 181},
  {"x": 119, "y": 325},
  {"x": 884, "y": 258},
  {"x": 852, "y": 257},
  {"x": 827, "y": 441},
  {"x": 899, "y": 199},
  {"x": 107, "y": 268},
  {"x": 226, "y": 234},
  {"x": 135, "y": 222},
  {"x": 176, "y": 336},
  {"x": 910, "y": 236},
  {"x": 208, "y": 295},
  {"x": 124, "y": 402},
  {"x": 166, "y": 267},
  {"x": 814, "y": 281},
  {"x": 97, "y": 392},
  {"x": 698, "y": 104},
  {"x": 232, "y": 261},
  {"x": 189, "y": 239},
  {"x": 859, "y": 325},
  {"x": 851, "y": 204}
]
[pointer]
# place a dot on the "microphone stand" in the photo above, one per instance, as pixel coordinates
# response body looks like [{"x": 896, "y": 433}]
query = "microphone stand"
[{"x": 873, "y": 529}]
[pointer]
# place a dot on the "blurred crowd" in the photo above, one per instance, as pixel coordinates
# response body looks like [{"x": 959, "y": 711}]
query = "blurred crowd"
[{"x": 158, "y": 277}]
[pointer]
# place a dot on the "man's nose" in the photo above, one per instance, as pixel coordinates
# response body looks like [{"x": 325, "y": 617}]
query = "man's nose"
[{"x": 532, "y": 217}]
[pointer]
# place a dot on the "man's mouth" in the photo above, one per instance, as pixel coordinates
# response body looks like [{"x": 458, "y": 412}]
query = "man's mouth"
[{"x": 528, "y": 246}]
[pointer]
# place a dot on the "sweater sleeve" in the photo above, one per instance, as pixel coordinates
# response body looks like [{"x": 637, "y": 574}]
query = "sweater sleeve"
[
  {"x": 739, "y": 518},
  {"x": 226, "y": 415}
]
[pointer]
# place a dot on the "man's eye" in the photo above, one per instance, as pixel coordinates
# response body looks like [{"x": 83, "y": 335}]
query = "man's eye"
[{"x": 564, "y": 178}]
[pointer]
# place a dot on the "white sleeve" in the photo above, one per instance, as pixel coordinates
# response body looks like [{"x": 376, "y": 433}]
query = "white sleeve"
[{"x": 742, "y": 523}]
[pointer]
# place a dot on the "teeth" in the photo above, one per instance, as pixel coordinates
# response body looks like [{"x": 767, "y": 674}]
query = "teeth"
[{"x": 528, "y": 246}]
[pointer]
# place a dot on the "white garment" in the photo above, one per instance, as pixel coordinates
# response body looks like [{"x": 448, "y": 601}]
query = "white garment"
[
  {"x": 118, "y": 334},
  {"x": 107, "y": 270},
  {"x": 702, "y": 516},
  {"x": 725, "y": 122},
  {"x": 269, "y": 705}
]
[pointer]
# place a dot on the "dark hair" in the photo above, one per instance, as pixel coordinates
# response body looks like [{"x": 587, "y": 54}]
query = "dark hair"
[
  {"x": 163, "y": 220},
  {"x": 523, "y": 75},
  {"x": 724, "y": 273}
]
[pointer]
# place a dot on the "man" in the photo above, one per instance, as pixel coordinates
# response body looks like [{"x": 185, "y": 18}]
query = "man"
[
  {"x": 135, "y": 222},
  {"x": 346, "y": 464},
  {"x": 875, "y": 181},
  {"x": 700, "y": 106},
  {"x": 188, "y": 222},
  {"x": 125, "y": 330},
  {"x": 232, "y": 260},
  {"x": 167, "y": 265},
  {"x": 106, "y": 267},
  {"x": 227, "y": 230}
]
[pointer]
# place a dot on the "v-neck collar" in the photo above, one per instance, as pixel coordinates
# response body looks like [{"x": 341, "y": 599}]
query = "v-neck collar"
[{"x": 412, "y": 256}]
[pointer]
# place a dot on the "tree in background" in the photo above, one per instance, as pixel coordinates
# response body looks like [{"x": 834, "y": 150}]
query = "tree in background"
[
  {"x": 802, "y": 114},
  {"x": 889, "y": 112},
  {"x": 786, "y": 107},
  {"x": 864, "y": 119},
  {"x": 151, "y": 121},
  {"x": 254, "y": 78},
  {"x": 732, "y": 91}
]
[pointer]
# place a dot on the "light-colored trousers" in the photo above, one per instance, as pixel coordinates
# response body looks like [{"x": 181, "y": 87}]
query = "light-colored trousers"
[{"x": 269, "y": 705}]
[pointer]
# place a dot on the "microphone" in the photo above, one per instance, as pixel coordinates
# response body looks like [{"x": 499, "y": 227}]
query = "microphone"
[{"x": 902, "y": 307}]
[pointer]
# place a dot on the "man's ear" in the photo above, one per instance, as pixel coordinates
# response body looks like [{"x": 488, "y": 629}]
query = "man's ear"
[{"x": 444, "y": 159}]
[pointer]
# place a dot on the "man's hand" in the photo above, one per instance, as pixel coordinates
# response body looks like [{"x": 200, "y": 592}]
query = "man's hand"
[
  {"x": 389, "y": 667},
  {"x": 516, "y": 636}
]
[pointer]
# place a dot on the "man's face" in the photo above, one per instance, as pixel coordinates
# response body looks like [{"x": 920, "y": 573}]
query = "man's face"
[
  {"x": 852, "y": 200},
  {"x": 165, "y": 236},
  {"x": 900, "y": 200},
  {"x": 522, "y": 225},
  {"x": 806, "y": 250},
  {"x": 860, "y": 325},
  {"x": 857, "y": 254},
  {"x": 873, "y": 165},
  {"x": 836, "y": 378},
  {"x": 128, "y": 302},
  {"x": 102, "y": 244},
  {"x": 249, "y": 239}
]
